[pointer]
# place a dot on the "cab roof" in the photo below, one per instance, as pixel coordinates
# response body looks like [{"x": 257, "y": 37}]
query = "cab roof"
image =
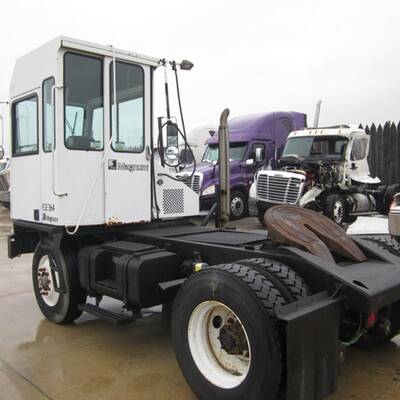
[
  {"x": 344, "y": 131},
  {"x": 32, "y": 68},
  {"x": 258, "y": 126}
]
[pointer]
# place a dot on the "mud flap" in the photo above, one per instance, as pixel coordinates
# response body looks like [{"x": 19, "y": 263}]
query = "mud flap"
[{"x": 312, "y": 350}]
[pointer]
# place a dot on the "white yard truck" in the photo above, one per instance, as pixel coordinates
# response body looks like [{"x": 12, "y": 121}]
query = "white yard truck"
[
  {"x": 104, "y": 217},
  {"x": 326, "y": 170}
]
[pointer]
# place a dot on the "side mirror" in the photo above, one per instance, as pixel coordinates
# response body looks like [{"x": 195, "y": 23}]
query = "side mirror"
[
  {"x": 259, "y": 154},
  {"x": 1, "y": 152},
  {"x": 250, "y": 161},
  {"x": 186, "y": 157},
  {"x": 277, "y": 153}
]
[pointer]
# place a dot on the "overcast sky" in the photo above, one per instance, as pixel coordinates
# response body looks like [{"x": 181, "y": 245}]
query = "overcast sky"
[{"x": 250, "y": 56}]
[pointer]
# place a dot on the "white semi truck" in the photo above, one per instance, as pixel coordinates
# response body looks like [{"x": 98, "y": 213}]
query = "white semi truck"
[
  {"x": 326, "y": 170},
  {"x": 104, "y": 217}
]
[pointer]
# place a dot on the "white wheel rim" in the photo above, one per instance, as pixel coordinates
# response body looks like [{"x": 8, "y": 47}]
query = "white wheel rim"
[
  {"x": 46, "y": 282},
  {"x": 338, "y": 211},
  {"x": 211, "y": 327}
]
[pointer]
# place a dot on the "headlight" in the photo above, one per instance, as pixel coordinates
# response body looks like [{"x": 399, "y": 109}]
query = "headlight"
[
  {"x": 209, "y": 191},
  {"x": 253, "y": 191}
]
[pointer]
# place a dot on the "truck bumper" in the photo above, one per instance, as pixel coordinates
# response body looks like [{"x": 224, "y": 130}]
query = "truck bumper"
[{"x": 394, "y": 224}]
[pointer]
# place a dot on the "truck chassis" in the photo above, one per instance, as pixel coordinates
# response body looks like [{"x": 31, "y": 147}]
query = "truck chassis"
[{"x": 309, "y": 308}]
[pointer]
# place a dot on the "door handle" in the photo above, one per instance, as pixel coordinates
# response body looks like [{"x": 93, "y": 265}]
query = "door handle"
[{"x": 148, "y": 153}]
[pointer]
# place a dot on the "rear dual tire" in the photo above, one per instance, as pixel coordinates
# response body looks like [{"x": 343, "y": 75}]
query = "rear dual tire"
[{"x": 225, "y": 333}]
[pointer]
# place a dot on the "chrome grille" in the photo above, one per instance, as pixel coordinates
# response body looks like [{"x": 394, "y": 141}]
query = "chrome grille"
[
  {"x": 193, "y": 182},
  {"x": 279, "y": 189}
]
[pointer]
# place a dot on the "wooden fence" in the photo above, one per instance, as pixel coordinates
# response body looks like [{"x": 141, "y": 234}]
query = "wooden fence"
[{"x": 384, "y": 152}]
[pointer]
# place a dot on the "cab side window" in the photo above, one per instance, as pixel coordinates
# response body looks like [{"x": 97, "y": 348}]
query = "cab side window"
[
  {"x": 127, "y": 121},
  {"x": 359, "y": 149},
  {"x": 25, "y": 126},
  {"x": 83, "y": 102}
]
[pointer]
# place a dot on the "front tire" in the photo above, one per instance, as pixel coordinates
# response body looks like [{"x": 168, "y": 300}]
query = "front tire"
[
  {"x": 225, "y": 336},
  {"x": 335, "y": 208},
  {"x": 58, "y": 304}
]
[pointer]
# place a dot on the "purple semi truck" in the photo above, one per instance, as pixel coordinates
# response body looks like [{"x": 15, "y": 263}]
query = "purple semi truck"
[{"x": 253, "y": 140}]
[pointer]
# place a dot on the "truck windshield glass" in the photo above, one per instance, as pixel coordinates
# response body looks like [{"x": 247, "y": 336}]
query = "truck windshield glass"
[
  {"x": 83, "y": 101},
  {"x": 311, "y": 147},
  {"x": 236, "y": 152}
]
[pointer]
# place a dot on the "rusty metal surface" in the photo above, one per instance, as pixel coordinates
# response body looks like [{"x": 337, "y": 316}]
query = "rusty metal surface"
[{"x": 310, "y": 231}]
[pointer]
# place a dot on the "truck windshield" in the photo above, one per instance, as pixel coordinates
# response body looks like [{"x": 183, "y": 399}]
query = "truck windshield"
[
  {"x": 311, "y": 147},
  {"x": 236, "y": 152}
]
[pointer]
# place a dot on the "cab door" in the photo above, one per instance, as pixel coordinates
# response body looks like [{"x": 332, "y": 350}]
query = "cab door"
[
  {"x": 127, "y": 164},
  {"x": 357, "y": 159},
  {"x": 25, "y": 161}
]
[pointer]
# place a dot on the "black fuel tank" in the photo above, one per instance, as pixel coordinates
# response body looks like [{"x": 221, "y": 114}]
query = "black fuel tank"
[{"x": 128, "y": 271}]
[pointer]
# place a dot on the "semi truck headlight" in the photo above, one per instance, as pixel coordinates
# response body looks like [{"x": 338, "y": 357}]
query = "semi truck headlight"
[{"x": 209, "y": 191}]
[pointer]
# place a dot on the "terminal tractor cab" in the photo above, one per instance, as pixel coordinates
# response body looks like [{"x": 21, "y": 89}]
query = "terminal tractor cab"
[
  {"x": 82, "y": 126},
  {"x": 96, "y": 199}
]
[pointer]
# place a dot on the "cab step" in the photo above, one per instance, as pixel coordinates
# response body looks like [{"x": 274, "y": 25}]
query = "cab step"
[{"x": 106, "y": 315}]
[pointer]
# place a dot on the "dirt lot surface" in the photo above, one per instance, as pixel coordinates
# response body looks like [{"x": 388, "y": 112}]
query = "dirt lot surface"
[{"x": 92, "y": 359}]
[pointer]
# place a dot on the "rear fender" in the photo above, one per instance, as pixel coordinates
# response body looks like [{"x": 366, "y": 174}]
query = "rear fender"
[{"x": 312, "y": 346}]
